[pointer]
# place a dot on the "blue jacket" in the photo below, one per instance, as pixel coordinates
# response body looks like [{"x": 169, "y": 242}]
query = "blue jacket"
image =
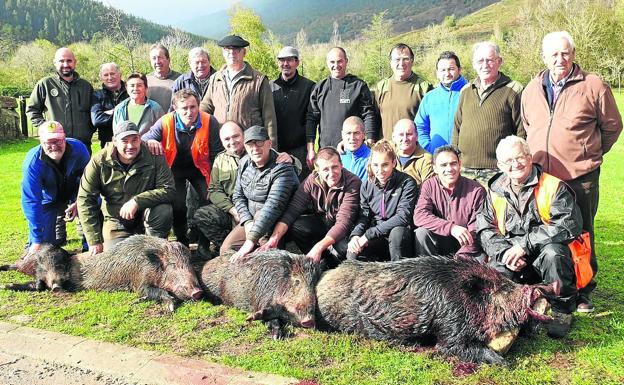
[
  {"x": 356, "y": 161},
  {"x": 436, "y": 115},
  {"x": 44, "y": 189}
]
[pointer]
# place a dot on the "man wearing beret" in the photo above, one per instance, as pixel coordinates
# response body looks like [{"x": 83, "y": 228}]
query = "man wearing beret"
[
  {"x": 262, "y": 192},
  {"x": 136, "y": 188},
  {"x": 239, "y": 93},
  {"x": 52, "y": 173}
]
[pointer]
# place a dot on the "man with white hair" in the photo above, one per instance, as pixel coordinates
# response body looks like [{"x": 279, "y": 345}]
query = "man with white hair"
[
  {"x": 488, "y": 111},
  {"x": 112, "y": 93},
  {"x": 528, "y": 220},
  {"x": 571, "y": 121},
  {"x": 199, "y": 75}
]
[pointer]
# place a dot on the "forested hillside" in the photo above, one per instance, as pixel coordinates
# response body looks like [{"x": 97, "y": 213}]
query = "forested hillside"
[{"x": 68, "y": 21}]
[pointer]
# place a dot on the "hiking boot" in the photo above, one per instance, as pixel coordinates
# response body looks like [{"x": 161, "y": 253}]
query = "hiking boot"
[
  {"x": 585, "y": 305},
  {"x": 560, "y": 325}
]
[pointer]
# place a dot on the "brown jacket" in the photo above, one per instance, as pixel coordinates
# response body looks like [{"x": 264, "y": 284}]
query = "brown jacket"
[
  {"x": 584, "y": 124},
  {"x": 250, "y": 104},
  {"x": 419, "y": 166}
]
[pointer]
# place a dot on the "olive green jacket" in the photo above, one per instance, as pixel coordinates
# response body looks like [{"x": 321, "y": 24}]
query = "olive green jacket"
[
  {"x": 148, "y": 181},
  {"x": 223, "y": 180},
  {"x": 419, "y": 166}
]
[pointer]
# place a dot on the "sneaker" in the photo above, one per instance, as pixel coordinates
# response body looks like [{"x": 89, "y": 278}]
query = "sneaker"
[
  {"x": 560, "y": 325},
  {"x": 585, "y": 306}
]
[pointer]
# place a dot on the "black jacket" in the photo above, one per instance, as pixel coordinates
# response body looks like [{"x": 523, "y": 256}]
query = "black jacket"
[
  {"x": 104, "y": 100},
  {"x": 399, "y": 196},
  {"x": 334, "y": 100},
  {"x": 291, "y": 99},
  {"x": 262, "y": 194}
]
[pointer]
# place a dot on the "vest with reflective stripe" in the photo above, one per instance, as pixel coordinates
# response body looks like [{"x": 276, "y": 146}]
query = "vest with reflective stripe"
[
  {"x": 199, "y": 147},
  {"x": 544, "y": 193}
]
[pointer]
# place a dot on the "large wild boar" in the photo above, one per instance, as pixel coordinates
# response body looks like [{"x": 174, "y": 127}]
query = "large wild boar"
[
  {"x": 458, "y": 305},
  {"x": 153, "y": 267},
  {"x": 276, "y": 286}
]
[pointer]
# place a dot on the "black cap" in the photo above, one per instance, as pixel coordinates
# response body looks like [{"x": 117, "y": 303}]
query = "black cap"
[
  {"x": 256, "y": 133},
  {"x": 233, "y": 41},
  {"x": 124, "y": 129}
]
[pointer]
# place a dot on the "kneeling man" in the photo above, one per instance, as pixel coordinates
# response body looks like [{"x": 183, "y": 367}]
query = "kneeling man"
[
  {"x": 526, "y": 224},
  {"x": 136, "y": 188},
  {"x": 334, "y": 194}
]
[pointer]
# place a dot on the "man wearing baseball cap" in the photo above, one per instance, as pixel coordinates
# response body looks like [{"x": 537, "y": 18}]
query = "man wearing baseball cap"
[
  {"x": 51, "y": 175},
  {"x": 262, "y": 192},
  {"x": 291, "y": 96},
  {"x": 239, "y": 93},
  {"x": 136, "y": 187}
]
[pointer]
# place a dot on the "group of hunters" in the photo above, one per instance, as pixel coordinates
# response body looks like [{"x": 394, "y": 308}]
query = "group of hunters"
[{"x": 232, "y": 160}]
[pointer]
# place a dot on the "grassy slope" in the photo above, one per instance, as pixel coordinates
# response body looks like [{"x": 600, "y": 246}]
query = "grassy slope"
[{"x": 593, "y": 353}]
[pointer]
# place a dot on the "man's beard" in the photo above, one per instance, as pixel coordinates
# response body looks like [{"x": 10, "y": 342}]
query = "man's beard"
[{"x": 67, "y": 73}]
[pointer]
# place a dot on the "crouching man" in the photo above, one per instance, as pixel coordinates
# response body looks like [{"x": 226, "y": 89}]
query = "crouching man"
[
  {"x": 528, "y": 219},
  {"x": 334, "y": 194},
  {"x": 136, "y": 187}
]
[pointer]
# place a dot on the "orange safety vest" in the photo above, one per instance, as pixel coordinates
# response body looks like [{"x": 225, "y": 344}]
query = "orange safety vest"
[
  {"x": 199, "y": 147},
  {"x": 544, "y": 194}
]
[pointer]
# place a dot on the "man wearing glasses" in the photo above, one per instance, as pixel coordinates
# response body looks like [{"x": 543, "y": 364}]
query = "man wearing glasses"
[
  {"x": 488, "y": 111},
  {"x": 525, "y": 225},
  {"x": 239, "y": 93},
  {"x": 52, "y": 174},
  {"x": 262, "y": 192}
]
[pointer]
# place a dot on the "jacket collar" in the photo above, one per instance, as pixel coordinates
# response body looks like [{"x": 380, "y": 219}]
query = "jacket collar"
[
  {"x": 362, "y": 152},
  {"x": 457, "y": 85},
  {"x": 500, "y": 82},
  {"x": 280, "y": 81},
  {"x": 501, "y": 184}
]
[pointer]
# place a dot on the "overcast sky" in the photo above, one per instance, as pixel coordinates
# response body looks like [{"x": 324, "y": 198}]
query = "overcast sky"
[{"x": 162, "y": 11}]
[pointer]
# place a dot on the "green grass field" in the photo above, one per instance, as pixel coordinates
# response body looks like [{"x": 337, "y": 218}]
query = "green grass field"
[{"x": 593, "y": 353}]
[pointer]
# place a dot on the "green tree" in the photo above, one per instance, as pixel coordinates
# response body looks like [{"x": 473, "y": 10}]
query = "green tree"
[
  {"x": 376, "y": 45},
  {"x": 244, "y": 22}
]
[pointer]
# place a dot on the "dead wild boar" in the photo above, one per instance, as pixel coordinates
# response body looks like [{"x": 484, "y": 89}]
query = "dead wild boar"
[
  {"x": 458, "y": 305},
  {"x": 276, "y": 286},
  {"x": 153, "y": 267}
]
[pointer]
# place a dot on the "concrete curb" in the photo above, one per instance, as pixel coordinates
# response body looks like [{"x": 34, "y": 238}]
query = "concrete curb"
[{"x": 138, "y": 365}]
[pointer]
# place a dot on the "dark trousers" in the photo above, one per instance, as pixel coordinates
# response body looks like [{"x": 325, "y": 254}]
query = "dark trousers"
[
  {"x": 154, "y": 221},
  {"x": 180, "y": 225},
  {"x": 586, "y": 191},
  {"x": 399, "y": 244},
  {"x": 426, "y": 242},
  {"x": 547, "y": 264},
  {"x": 307, "y": 230}
]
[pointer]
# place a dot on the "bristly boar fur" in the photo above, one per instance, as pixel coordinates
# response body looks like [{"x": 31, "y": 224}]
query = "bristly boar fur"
[
  {"x": 153, "y": 267},
  {"x": 459, "y": 305},
  {"x": 276, "y": 286}
]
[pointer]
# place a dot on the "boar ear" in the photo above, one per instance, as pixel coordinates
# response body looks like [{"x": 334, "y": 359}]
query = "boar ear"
[
  {"x": 155, "y": 258},
  {"x": 476, "y": 285}
]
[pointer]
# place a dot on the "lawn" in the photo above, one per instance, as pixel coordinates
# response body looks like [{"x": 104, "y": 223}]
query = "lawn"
[{"x": 593, "y": 353}]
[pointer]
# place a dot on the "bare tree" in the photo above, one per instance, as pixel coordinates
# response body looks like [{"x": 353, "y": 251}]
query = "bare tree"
[{"x": 127, "y": 35}]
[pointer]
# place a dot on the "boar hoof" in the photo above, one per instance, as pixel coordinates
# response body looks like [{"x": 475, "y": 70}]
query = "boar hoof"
[{"x": 491, "y": 357}]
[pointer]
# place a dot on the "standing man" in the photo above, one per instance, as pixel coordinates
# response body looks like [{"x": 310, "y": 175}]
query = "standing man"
[
  {"x": 488, "y": 111},
  {"x": 333, "y": 100},
  {"x": 162, "y": 79},
  {"x": 528, "y": 220},
  {"x": 334, "y": 194},
  {"x": 136, "y": 190},
  {"x": 52, "y": 174},
  {"x": 291, "y": 96},
  {"x": 189, "y": 140},
  {"x": 65, "y": 98},
  {"x": 436, "y": 114},
  {"x": 446, "y": 212},
  {"x": 112, "y": 93},
  {"x": 238, "y": 92},
  {"x": 413, "y": 159},
  {"x": 263, "y": 190},
  {"x": 571, "y": 121},
  {"x": 399, "y": 96},
  {"x": 356, "y": 153},
  {"x": 199, "y": 75}
]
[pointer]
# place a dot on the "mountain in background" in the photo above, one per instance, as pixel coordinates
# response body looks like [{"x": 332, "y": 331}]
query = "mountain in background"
[
  {"x": 285, "y": 18},
  {"x": 68, "y": 21}
]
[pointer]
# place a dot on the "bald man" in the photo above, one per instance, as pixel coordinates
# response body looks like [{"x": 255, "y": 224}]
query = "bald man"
[{"x": 64, "y": 97}]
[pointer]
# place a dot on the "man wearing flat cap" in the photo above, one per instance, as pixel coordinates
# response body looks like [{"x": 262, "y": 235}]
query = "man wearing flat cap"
[
  {"x": 239, "y": 93},
  {"x": 291, "y": 95},
  {"x": 262, "y": 192},
  {"x": 136, "y": 187}
]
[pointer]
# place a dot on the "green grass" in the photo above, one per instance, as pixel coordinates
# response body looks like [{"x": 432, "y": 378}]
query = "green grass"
[{"x": 592, "y": 354}]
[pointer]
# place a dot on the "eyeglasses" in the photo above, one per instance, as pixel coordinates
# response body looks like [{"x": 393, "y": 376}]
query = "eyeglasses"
[
  {"x": 53, "y": 143},
  {"x": 522, "y": 159},
  {"x": 233, "y": 49},
  {"x": 256, "y": 143},
  {"x": 486, "y": 61}
]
